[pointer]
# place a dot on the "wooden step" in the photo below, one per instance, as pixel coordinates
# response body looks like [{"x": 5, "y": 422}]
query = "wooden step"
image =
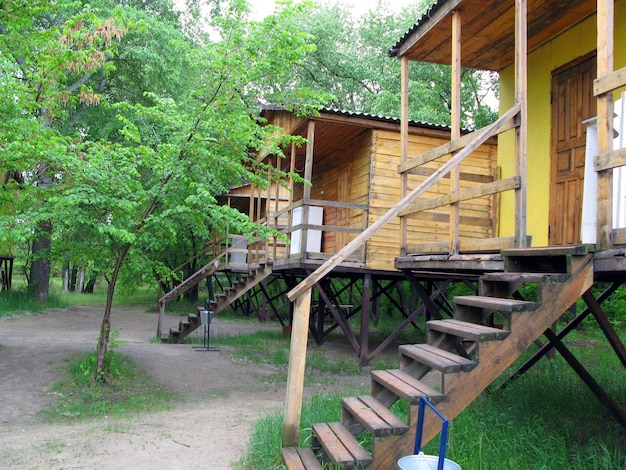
[
  {"x": 525, "y": 277},
  {"x": 339, "y": 445},
  {"x": 561, "y": 250},
  {"x": 373, "y": 415},
  {"x": 505, "y": 284},
  {"x": 495, "y": 303},
  {"x": 403, "y": 386},
  {"x": 466, "y": 330},
  {"x": 296, "y": 458},
  {"x": 553, "y": 259},
  {"x": 435, "y": 358}
]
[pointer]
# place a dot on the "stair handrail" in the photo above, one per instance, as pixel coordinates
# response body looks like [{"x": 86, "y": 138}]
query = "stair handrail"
[
  {"x": 212, "y": 265},
  {"x": 176, "y": 291},
  {"x": 481, "y": 137},
  {"x": 301, "y": 294},
  {"x": 180, "y": 266}
]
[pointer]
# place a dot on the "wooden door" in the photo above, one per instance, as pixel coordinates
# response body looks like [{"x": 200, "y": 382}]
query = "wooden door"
[{"x": 572, "y": 103}]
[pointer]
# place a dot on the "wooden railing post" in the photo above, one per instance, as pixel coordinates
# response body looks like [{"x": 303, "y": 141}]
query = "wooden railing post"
[
  {"x": 521, "y": 132},
  {"x": 605, "y": 123},
  {"x": 455, "y": 128},
  {"x": 295, "y": 374},
  {"x": 404, "y": 144}
]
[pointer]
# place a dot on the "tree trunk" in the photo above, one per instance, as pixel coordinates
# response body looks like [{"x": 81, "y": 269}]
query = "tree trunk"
[
  {"x": 39, "y": 278},
  {"x": 81, "y": 280},
  {"x": 65, "y": 275},
  {"x": 74, "y": 273},
  {"x": 91, "y": 283},
  {"x": 159, "y": 332},
  {"x": 105, "y": 328}
]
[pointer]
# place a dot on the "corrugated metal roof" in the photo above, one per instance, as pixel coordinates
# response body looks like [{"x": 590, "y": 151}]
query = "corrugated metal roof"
[
  {"x": 364, "y": 115},
  {"x": 393, "y": 52},
  {"x": 378, "y": 117}
]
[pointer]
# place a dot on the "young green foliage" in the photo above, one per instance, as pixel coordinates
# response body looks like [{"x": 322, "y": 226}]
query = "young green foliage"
[{"x": 130, "y": 169}]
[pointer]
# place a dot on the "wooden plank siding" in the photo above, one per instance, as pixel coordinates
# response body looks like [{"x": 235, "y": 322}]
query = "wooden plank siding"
[
  {"x": 342, "y": 175},
  {"x": 476, "y": 216},
  {"x": 355, "y": 176}
]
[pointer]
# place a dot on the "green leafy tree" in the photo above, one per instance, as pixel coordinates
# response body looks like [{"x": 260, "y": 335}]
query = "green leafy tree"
[
  {"x": 351, "y": 62},
  {"x": 49, "y": 53},
  {"x": 139, "y": 168}
]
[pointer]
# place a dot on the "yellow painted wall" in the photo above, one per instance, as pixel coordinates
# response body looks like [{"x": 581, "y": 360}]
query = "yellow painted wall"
[{"x": 574, "y": 43}]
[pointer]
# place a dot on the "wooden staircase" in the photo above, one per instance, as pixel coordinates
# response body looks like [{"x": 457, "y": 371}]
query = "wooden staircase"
[
  {"x": 239, "y": 286},
  {"x": 468, "y": 352}
]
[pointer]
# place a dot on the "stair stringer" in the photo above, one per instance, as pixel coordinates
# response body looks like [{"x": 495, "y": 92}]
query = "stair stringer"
[
  {"x": 191, "y": 327},
  {"x": 495, "y": 358},
  {"x": 260, "y": 277}
]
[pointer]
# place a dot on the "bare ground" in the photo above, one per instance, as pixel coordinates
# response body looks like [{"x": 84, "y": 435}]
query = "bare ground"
[{"x": 208, "y": 429}]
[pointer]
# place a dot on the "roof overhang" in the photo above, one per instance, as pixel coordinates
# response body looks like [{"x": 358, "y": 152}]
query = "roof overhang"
[{"x": 488, "y": 30}]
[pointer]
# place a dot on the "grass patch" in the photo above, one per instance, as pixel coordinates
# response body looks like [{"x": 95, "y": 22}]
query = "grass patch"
[
  {"x": 271, "y": 348},
  {"x": 262, "y": 347},
  {"x": 17, "y": 303},
  {"x": 127, "y": 389},
  {"x": 547, "y": 418},
  {"x": 266, "y": 437}
]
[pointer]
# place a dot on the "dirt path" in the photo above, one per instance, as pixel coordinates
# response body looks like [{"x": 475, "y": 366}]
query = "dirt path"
[{"x": 209, "y": 430}]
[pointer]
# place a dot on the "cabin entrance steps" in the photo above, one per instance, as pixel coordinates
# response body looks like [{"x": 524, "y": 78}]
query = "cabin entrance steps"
[
  {"x": 467, "y": 353},
  {"x": 233, "y": 286}
]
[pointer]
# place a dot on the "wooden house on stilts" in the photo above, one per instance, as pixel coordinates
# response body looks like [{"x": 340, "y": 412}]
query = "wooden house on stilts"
[
  {"x": 557, "y": 200},
  {"x": 351, "y": 160},
  {"x": 533, "y": 198}
]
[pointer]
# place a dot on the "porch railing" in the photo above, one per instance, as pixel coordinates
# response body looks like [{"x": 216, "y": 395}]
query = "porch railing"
[
  {"x": 466, "y": 145},
  {"x": 449, "y": 239}
]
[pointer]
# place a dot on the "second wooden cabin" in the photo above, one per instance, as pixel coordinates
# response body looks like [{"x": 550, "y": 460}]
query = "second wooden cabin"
[{"x": 351, "y": 160}]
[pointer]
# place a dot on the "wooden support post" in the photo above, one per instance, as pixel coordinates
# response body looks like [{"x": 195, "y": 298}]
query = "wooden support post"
[
  {"x": 455, "y": 130},
  {"x": 254, "y": 252},
  {"x": 365, "y": 317},
  {"x": 318, "y": 334},
  {"x": 606, "y": 327},
  {"x": 295, "y": 374},
  {"x": 308, "y": 175},
  {"x": 251, "y": 203},
  {"x": 292, "y": 170},
  {"x": 586, "y": 377},
  {"x": 159, "y": 331},
  {"x": 377, "y": 291},
  {"x": 605, "y": 18},
  {"x": 404, "y": 143},
  {"x": 521, "y": 132},
  {"x": 276, "y": 208}
]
